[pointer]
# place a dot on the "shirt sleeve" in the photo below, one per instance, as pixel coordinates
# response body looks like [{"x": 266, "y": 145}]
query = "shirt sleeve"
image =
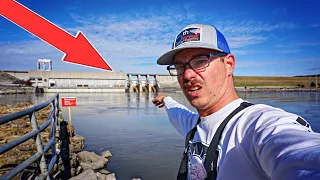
[
  {"x": 285, "y": 146},
  {"x": 182, "y": 119}
]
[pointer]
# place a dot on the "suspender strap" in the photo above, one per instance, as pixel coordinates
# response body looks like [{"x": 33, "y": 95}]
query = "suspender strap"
[
  {"x": 183, "y": 170},
  {"x": 191, "y": 133},
  {"x": 210, "y": 163},
  {"x": 212, "y": 155}
]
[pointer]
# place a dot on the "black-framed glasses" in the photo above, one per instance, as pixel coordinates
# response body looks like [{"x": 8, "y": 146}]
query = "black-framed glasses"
[{"x": 197, "y": 63}]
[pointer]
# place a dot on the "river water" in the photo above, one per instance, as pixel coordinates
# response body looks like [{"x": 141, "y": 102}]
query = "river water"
[{"x": 139, "y": 135}]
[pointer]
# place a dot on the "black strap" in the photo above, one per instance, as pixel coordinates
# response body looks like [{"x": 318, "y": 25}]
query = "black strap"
[
  {"x": 183, "y": 170},
  {"x": 212, "y": 155},
  {"x": 191, "y": 133}
]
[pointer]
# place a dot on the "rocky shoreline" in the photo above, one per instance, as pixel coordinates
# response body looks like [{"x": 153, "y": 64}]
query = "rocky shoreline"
[
  {"x": 23, "y": 90},
  {"x": 16, "y": 90},
  {"x": 73, "y": 162}
]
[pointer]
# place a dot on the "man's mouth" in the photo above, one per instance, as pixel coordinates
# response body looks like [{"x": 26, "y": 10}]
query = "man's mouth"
[{"x": 193, "y": 88}]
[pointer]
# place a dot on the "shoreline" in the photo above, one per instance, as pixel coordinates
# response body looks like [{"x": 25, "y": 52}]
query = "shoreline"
[
  {"x": 16, "y": 90},
  {"x": 253, "y": 89},
  {"x": 261, "y": 89},
  {"x": 23, "y": 90}
]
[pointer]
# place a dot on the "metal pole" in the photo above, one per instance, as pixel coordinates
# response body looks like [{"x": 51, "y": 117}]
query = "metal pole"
[
  {"x": 316, "y": 78},
  {"x": 70, "y": 121},
  {"x": 309, "y": 78},
  {"x": 34, "y": 124}
]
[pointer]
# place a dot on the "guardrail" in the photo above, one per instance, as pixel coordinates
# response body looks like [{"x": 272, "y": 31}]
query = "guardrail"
[{"x": 35, "y": 133}]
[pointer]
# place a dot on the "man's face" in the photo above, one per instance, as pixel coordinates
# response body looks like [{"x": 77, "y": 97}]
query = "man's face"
[{"x": 206, "y": 87}]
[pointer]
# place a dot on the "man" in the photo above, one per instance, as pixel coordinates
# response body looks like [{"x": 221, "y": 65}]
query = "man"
[{"x": 230, "y": 138}]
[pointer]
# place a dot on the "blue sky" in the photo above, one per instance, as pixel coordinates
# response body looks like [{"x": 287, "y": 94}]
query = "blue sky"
[{"x": 268, "y": 38}]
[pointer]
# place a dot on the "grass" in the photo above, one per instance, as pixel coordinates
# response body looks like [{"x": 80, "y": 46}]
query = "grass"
[{"x": 250, "y": 81}]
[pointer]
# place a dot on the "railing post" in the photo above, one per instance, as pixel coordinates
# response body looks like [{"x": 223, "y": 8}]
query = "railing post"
[
  {"x": 34, "y": 124},
  {"x": 53, "y": 130}
]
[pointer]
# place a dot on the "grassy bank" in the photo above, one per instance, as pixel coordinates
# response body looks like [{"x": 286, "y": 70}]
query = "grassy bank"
[{"x": 272, "y": 81}]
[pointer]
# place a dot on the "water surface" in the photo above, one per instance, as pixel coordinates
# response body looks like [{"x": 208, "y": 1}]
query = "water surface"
[{"x": 139, "y": 135}]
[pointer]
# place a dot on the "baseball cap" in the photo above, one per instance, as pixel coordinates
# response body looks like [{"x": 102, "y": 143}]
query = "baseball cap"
[{"x": 196, "y": 36}]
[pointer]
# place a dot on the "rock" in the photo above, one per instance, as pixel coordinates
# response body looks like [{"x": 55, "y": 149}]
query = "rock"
[
  {"x": 78, "y": 170},
  {"x": 73, "y": 160},
  {"x": 73, "y": 172},
  {"x": 106, "y": 154},
  {"x": 3, "y": 141},
  {"x": 136, "y": 179},
  {"x": 89, "y": 160},
  {"x": 111, "y": 176},
  {"x": 103, "y": 171},
  {"x": 86, "y": 175},
  {"x": 77, "y": 143},
  {"x": 100, "y": 176}
]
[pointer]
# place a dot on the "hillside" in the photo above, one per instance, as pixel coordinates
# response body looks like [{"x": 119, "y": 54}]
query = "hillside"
[
  {"x": 7, "y": 78},
  {"x": 272, "y": 81}
]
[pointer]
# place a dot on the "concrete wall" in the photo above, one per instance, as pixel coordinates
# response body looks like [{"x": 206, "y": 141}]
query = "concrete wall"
[
  {"x": 167, "y": 81},
  {"x": 84, "y": 90},
  {"x": 84, "y": 75},
  {"x": 65, "y": 79}
]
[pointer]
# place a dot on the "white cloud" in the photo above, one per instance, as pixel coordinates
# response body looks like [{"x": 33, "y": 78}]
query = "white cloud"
[
  {"x": 241, "y": 41},
  {"x": 245, "y": 27},
  {"x": 238, "y": 52},
  {"x": 25, "y": 53},
  {"x": 243, "y": 33},
  {"x": 125, "y": 40},
  {"x": 243, "y": 63}
]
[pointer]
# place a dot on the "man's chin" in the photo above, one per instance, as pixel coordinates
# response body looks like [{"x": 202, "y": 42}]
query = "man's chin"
[{"x": 196, "y": 102}]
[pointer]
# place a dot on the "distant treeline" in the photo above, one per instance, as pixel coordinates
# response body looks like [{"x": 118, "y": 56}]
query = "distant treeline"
[{"x": 312, "y": 75}]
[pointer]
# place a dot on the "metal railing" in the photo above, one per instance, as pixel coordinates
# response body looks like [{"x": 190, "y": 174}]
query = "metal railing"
[{"x": 35, "y": 133}]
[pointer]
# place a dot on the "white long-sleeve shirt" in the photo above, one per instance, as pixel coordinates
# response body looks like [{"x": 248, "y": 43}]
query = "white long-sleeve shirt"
[{"x": 259, "y": 142}]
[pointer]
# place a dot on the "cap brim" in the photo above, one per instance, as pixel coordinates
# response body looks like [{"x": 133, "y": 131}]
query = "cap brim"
[{"x": 167, "y": 58}]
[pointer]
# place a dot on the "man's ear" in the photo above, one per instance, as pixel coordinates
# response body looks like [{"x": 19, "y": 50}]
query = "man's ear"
[{"x": 230, "y": 63}]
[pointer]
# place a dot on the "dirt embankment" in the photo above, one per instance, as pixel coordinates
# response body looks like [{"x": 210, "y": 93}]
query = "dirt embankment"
[
  {"x": 12, "y": 85},
  {"x": 7, "y": 78}
]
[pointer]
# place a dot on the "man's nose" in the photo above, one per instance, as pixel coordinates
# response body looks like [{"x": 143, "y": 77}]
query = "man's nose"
[{"x": 189, "y": 73}]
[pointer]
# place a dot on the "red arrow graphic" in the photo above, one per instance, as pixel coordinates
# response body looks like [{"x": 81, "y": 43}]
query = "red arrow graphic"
[{"x": 78, "y": 49}]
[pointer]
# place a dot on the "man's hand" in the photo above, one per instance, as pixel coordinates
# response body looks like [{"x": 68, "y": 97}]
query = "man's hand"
[{"x": 158, "y": 101}]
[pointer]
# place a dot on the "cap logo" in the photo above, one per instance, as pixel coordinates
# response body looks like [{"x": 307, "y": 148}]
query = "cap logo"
[{"x": 187, "y": 35}]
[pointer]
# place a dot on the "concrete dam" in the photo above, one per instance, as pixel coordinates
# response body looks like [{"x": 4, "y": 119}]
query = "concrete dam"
[{"x": 69, "y": 81}]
